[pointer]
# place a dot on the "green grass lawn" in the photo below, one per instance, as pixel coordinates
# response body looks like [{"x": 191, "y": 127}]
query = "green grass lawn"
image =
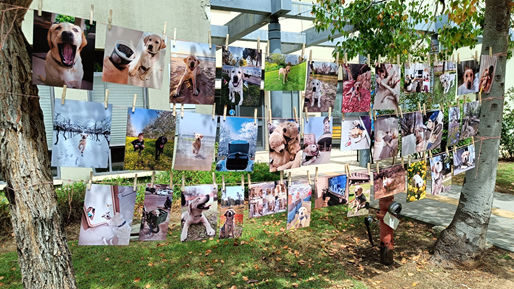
[
  {"x": 296, "y": 78},
  {"x": 146, "y": 161},
  {"x": 504, "y": 178}
]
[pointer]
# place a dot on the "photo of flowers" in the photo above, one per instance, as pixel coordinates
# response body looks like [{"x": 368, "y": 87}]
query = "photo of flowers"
[{"x": 416, "y": 181}]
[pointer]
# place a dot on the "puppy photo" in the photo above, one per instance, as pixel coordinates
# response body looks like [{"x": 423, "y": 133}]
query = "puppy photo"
[
  {"x": 416, "y": 181},
  {"x": 433, "y": 122},
  {"x": 356, "y": 133},
  {"x": 192, "y": 75},
  {"x": 114, "y": 208},
  {"x": 241, "y": 76},
  {"x": 285, "y": 151},
  {"x": 386, "y": 137},
  {"x": 389, "y": 181},
  {"x": 63, "y": 51},
  {"x": 231, "y": 214},
  {"x": 445, "y": 81},
  {"x": 387, "y": 86},
  {"x": 417, "y": 78},
  {"x": 156, "y": 212},
  {"x": 441, "y": 173},
  {"x": 196, "y": 140},
  {"x": 299, "y": 209},
  {"x": 237, "y": 144},
  {"x": 320, "y": 93},
  {"x": 199, "y": 212},
  {"x": 470, "y": 120},
  {"x": 285, "y": 72},
  {"x": 356, "y": 88},
  {"x": 453, "y": 126},
  {"x": 468, "y": 78},
  {"x": 413, "y": 130},
  {"x": 359, "y": 195},
  {"x": 81, "y": 134},
  {"x": 317, "y": 141},
  {"x": 463, "y": 160},
  {"x": 150, "y": 139}
]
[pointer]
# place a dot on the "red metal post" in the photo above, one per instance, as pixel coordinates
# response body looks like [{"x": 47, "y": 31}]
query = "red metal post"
[{"x": 386, "y": 232}]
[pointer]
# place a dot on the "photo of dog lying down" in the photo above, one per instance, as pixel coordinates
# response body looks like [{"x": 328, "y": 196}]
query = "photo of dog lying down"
[
  {"x": 192, "y": 73},
  {"x": 133, "y": 57},
  {"x": 416, "y": 181},
  {"x": 199, "y": 212},
  {"x": 285, "y": 151},
  {"x": 359, "y": 194},
  {"x": 285, "y": 72},
  {"x": 317, "y": 141},
  {"x": 232, "y": 210},
  {"x": 108, "y": 213},
  {"x": 389, "y": 181},
  {"x": 299, "y": 206},
  {"x": 63, "y": 51},
  {"x": 320, "y": 93},
  {"x": 356, "y": 88},
  {"x": 463, "y": 160},
  {"x": 387, "y": 86},
  {"x": 356, "y": 133},
  {"x": 441, "y": 170}
]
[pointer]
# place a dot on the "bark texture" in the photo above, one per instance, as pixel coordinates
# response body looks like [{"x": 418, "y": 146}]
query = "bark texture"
[
  {"x": 463, "y": 241},
  {"x": 43, "y": 254}
]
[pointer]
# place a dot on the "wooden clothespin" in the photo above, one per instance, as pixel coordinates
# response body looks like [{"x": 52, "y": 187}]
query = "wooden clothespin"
[
  {"x": 480, "y": 95},
  {"x": 214, "y": 179},
  {"x": 182, "y": 111},
  {"x": 409, "y": 60},
  {"x": 243, "y": 182},
  {"x": 310, "y": 56},
  {"x": 369, "y": 168},
  {"x": 369, "y": 60},
  {"x": 110, "y": 19},
  {"x": 249, "y": 181},
  {"x": 213, "y": 110},
  {"x": 398, "y": 59},
  {"x": 342, "y": 116},
  {"x": 134, "y": 103},
  {"x": 270, "y": 117},
  {"x": 476, "y": 55},
  {"x": 348, "y": 169},
  {"x": 306, "y": 115},
  {"x": 91, "y": 12},
  {"x": 164, "y": 31},
  {"x": 396, "y": 112},
  {"x": 453, "y": 57},
  {"x": 435, "y": 60},
  {"x": 225, "y": 112},
  {"x": 303, "y": 51},
  {"x": 401, "y": 113},
  {"x": 424, "y": 109},
  {"x": 226, "y": 41},
  {"x": 295, "y": 114},
  {"x": 447, "y": 153},
  {"x": 370, "y": 113},
  {"x": 379, "y": 56},
  {"x": 153, "y": 179},
  {"x": 171, "y": 180},
  {"x": 174, "y": 36},
  {"x": 473, "y": 141},
  {"x": 106, "y": 104},
  {"x": 403, "y": 164},
  {"x": 430, "y": 154},
  {"x": 135, "y": 182},
  {"x": 458, "y": 58},
  {"x": 378, "y": 169},
  {"x": 464, "y": 103},
  {"x": 90, "y": 180},
  {"x": 419, "y": 107},
  {"x": 428, "y": 56},
  {"x": 441, "y": 107},
  {"x": 255, "y": 116},
  {"x": 316, "y": 176},
  {"x": 394, "y": 160},
  {"x": 408, "y": 160},
  {"x": 329, "y": 112},
  {"x": 289, "y": 178},
  {"x": 183, "y": 183},
  {"x": 309, "y": 177},
  {"x": 281, "y": 176},
  {"x": 63, "y": 97},
  {"x": 258, "y": 44},
  {"x": 374, "y": 115},
  {"x": 40, "y": 8},
  {"x": 210, "y": 42},
  {"x": 174, "y": 109},
  {"x": 425, "y": 156},
  {"x": 345, "y": 58},
  {"x": 490, "y": 51},
  {"x": 337, "y": 58},
  {"x": 267, "y": 49}
]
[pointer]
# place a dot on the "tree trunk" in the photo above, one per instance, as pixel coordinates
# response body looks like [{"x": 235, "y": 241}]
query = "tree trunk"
[
  {"x": 464, "y": 240},
  {"x": 43, "y": 254}
]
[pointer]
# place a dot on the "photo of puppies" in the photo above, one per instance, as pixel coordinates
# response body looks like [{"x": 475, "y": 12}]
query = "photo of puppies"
[
  {"x": 285, "y": 72},
  {"x": 133, "y": 57},
  {"x": 299, "y": 206},
  {"x": 468, "y": 77},
  {"x": 359, "y": 194},
  {"x": 237, "y": 144},
  {"x": 320, "y": 93},
  {"x": 196, "y": 140},
  {"x": 487, "y": 71},
  {"x": 386, "y": 137},
  {"x": 156, "y": 213},
  {"x": 199, "y": 212},
  {"x": 470, "y": 120},
  {"x": 82, "y": 131},
  {"x": 285, "y": 151},
  {"x": 150, "y": 139},
  {"x": 463, "y": 159},
  {"x": 192, "y": 73},
  {"x": 453, "y": 126},
  {"x": 266, "y": 199},
  {"x": 63, "y": 51},
  {"x": 433, "y": 130},
  {"x": 387, "y": 89},
  {"x": 416, "y": 181},
  {"x": 231, "y": 214},
  {"x": 413, "y": 131},
  {"x": 356, "y": 88},
  {"x": 445, "y": 81},
  {"x": 356, "y": 133},
  {"x": 389, "y": 181},
  {"x": 417, "y": 78},
  {"x": 441, "y": 169},
  {"x": 241, "y": 76},
  {"x": 317, "y": 141},
  {"x": 108, "y": 215}
]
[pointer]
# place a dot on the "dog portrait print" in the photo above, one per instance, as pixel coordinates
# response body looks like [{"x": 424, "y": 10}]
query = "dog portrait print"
[
  {"x": 196, "y": 140},
  {"x": 134, "y": 57},
  {"x": 231, "y": 213},
  {"x": 416, "y": 181},
  {"x": 199, "y": 212},
  {"x": 463, "y": 159},
  {"x": 453, "y": 125},
  {"x": 468, "y": 78},
  {"x": 150, "y": 139},
  {"x": 81, "y": 134},
  {"x": 156, "y": 212},
  {"x": 108, "y": 215},
  {"x": 445, "y": 81},
  {"x": 320, "y": 93},
  {"x": 359, "y": 193},
  {"x": 413, "y": 133},
  {"x": 299, "y": 206},
  {"x": 241, "y": 76},
  {"x": 317, "y": 141},
  {"x": 237, "y": 144},
  {"x": 387, "y": 86},
  {"x": 285, "y": 72},
  {"x": 192, "y": 73},
  {"x": 356, "y": 88},
  {"x": 63, "y": 51},
  {"x": 389, "y": 181},
  {"x": 487, "y": 72},
  {"x": 356, "y": 133},
  {"x": 433, "y": 130},
  {"x": 285, "y": 151},
  {"x": 416, "y": 78},
  {"x": 441, "y": 173},
  {"x": 386, "y": 137},
  {"x": 470, "y": 120}
]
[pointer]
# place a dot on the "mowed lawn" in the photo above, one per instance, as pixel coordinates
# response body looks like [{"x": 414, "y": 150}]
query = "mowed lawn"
[
  {"x": 146, "y": 161},
  {"x": 504, "y": 178},
  {"x": 296, "y": 78}
]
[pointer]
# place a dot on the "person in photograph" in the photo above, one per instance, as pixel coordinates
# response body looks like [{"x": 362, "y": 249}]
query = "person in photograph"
[
  {"x": 387, "y": 89},
  {"x": 317, "y": 141},
  {"x": 487, "y": 71},
  {"x": 139, "y": 143}
]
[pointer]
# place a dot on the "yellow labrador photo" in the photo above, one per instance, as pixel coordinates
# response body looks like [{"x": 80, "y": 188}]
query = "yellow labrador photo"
[
  {"x": 194, "y": 216},
  {"x": 148, "y": 60}
]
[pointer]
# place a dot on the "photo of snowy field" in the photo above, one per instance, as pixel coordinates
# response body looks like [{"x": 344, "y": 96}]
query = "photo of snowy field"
[{"x": 82, "y": 132}]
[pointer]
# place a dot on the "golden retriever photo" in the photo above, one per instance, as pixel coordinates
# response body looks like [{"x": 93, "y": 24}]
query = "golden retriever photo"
[
  {"x": 389, "y": 181},
  {"x": 133, "y": 57},
  {"x": 63, "y": 51},
  {"x": 299, "y": 206},
  {"x": 199, "y": 212},
  {"x": 232, "y": 210},
  {"x": 317, "y": 141}
]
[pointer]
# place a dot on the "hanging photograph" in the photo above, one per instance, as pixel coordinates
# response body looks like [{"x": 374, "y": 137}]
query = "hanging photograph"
[
  {"x": 320, "y": 93},
  {"x": 387, "y": 86},
  {"x": 156, "y": 213},
  {"x": 463, "y": 159},
  {"x": 445, "y": 81},
  {"x": 453, "y": 126},
  {"x": 192, "y": 73},
  {"x": 356, "y": 133},
  {"x": 63, "y": 51},
  {"x": 285, "y": 72},
  {"x": 321, "y": 187},
  {"x": 285, "y": 151},
  {"x": 356, "y": 88},
  {"x": 134, "y": 57},
  {"x": 330, "y": 191},
  {"x": 389, "y": 181},
  {"x": 433, "y": 133},
  {"x": 237, "y": 144},
  {"x": 115, "y": 208},
  {"x": 386, "y": 137},
  {"x": 317, "y": 141},
  {"x": 413, "y": 131},
  {"x": 417, "y": 78},
  {"x": 487, "y": 71},
  {"x": 470, "y": 120},
  {"x": 416, "y": 181},
  {"x": 441, "y": 169},
  {"x": 468, "y": 77},
  {"x": 299, "y": 207},
  {"x": 82, "y": 131},
  {"x": 196, "y": 140},
  {"x": 262, "y": 199},
  {"x": 231, "y": 214},
  {"x": 359, "y": 194},
  {"x": 150, "y": 139},
  {"x": 199, "y": 212},
  {"x": 241, "y": 76}
]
